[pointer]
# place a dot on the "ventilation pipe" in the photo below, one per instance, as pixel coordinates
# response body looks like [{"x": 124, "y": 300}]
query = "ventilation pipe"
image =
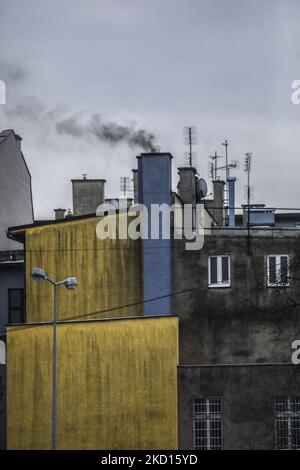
[{"x": 231, "y": 192}]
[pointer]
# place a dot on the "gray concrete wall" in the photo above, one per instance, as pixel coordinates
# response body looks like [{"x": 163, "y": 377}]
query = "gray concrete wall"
[
  {"x": 247, "y": 394},
  {"x": 246, "y": 322},
  {"x": 15, "y": 189}
]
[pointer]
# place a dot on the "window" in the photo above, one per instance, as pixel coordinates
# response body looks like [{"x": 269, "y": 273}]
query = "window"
[
  {"x": 16, "y": 305},
  {"x": 287, "y": 423},
  {"x": 219, "y": 271},
  {"x": 278, "y": 270},
  {"x": 208, "y": 424}
]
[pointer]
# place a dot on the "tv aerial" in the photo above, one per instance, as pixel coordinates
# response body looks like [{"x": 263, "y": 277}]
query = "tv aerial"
[{"x": 190, "y": 139}]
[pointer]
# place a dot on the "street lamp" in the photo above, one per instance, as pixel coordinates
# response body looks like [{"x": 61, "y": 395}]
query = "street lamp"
[{"x": 39, "y": 274}]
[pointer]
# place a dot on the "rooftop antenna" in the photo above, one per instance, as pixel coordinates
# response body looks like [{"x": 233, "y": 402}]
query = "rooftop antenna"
[
  {"x": 190, "y": 139},
  {"x": 247, "y": 169},
  {"x": 125, "y": 186},
  {"x": 214, "y": 165},
  {"x": 84, "y": 175},
  {"x": 226, "y": 158}
]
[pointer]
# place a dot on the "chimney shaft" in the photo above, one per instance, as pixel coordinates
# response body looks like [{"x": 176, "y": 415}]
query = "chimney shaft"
[
  {"x": 187, "y": 185},
  {"x": 218, "y": 210},
  {"x": 155, "y": 187},
  {"x": 88, "y": 194},
  {"x": 59, "y": 213}
]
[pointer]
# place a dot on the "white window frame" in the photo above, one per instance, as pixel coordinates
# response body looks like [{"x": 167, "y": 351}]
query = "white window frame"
[
  {"x": 220, "y": 283},
  {"x": 278, "y": 273}
]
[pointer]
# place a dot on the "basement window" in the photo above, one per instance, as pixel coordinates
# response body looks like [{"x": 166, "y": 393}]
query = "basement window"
[
  {"x": 278, "y": 271},
  {"x": 207, "y": 414},
  {"x": 287, "y": 423},
  {"x": 219, "y": 271}
]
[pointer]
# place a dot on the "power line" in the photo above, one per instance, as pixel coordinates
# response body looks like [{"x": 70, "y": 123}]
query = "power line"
[{"x": 107, "y": 310}]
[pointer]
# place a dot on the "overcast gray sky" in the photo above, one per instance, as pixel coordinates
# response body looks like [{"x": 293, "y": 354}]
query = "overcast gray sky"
[{"x": 225, "y": 66}]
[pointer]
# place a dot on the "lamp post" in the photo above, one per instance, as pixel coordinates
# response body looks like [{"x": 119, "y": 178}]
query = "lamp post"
[{"x": 39, "y": 274}]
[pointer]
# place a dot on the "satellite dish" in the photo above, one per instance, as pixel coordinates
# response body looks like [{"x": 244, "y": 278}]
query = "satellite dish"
[{"x": 201, "y": 187}]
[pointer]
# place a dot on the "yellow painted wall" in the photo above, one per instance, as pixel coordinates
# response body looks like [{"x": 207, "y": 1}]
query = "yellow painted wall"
[
  {"x": 117, "y": 384},
  {"x": 109, "y": 272}
]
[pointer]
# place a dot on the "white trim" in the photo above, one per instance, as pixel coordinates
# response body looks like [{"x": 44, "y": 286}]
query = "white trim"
[
  {"x": 278, "y": 270},
  {"x": 220, "y": 283}
]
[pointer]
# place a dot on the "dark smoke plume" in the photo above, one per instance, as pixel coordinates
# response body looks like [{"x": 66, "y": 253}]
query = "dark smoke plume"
[
  {"x": 12, "y": 74},
  {"x": 108, "y": 132}
]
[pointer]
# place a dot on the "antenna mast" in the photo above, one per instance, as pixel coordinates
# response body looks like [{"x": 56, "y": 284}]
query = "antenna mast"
[
  {"x": 247, "y": 168},
  {"x": 226, "y": 158},
  {"x": 190, "y": 139},
  {"x": 214, "y": 165},
  {"x": 125, "y": 186}
]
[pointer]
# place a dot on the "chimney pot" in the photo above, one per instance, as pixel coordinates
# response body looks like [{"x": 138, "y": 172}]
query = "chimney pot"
[{"x": 59, "y": 213}]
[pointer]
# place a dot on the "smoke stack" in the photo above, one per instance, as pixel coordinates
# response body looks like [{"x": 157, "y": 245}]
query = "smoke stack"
[
  {"x": 231, "y": 190},
  {"x": 218, "y": 211},
  {"x": 187, "y": 185},
  {"x": 59, "y": 213},
  {"x": 88, "y": 194}
]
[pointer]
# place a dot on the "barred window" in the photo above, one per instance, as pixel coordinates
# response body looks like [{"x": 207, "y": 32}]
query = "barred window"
[
  {"x": 287, "y": 423},
  {"x": 208, "y": 424}
]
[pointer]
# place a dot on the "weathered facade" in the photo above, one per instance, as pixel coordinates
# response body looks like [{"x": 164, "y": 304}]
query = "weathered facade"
[
  {"x": 109, "y": 272},
  {"x": 236, "y": 336},
  {"x": 248, "y": 394},
  {"x": 117, "y": 384},
  {"x": 238, "y": 323},
  {"x": 237, "y": 299}
]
